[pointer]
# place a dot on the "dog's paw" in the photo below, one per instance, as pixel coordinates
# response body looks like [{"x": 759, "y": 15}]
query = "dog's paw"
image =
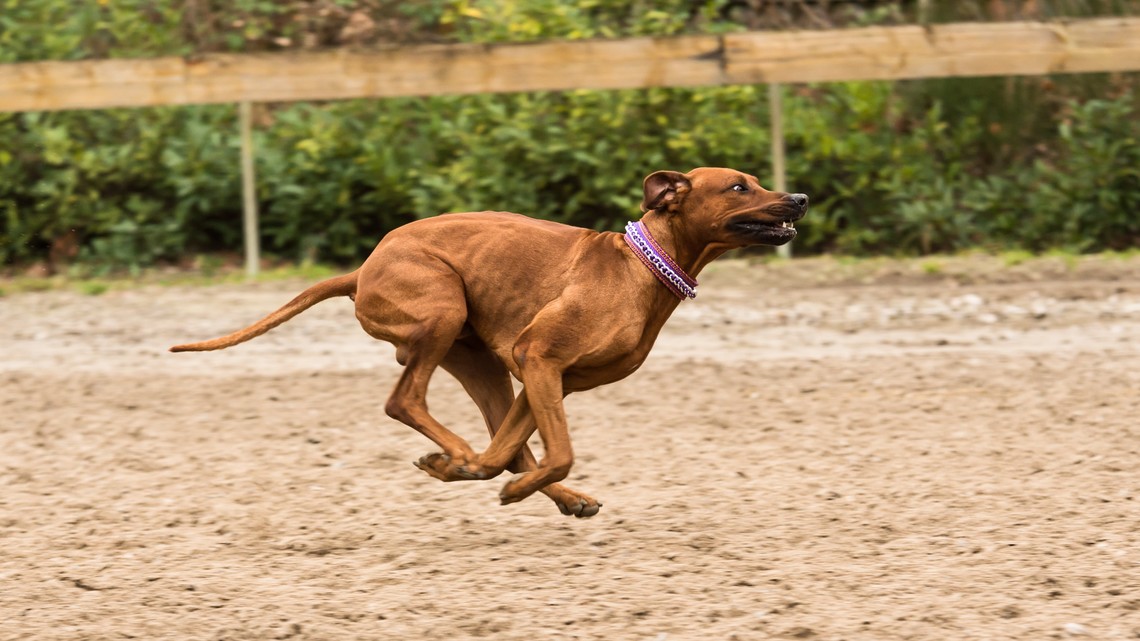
[
  {"x": 445, "y": 468},
  {"x": 510, "y": 492},
  {"x": 572, "y": 502},
  {"x": 583, "y": 508},
  {"x": 437, "y": 465},
  {"x": 569, "y": 502}
]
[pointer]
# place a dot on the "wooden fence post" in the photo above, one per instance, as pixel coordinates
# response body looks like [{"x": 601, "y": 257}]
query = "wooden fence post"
[
  {"x": 249, "y": 192},
  {"x": 779, "y": 174}
]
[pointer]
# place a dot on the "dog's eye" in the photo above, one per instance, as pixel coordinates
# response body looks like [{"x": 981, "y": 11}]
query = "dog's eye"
[{"x": 739, "y": 187}]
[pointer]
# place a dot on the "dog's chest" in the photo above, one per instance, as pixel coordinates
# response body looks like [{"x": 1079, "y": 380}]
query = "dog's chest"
[{"x": 608, "y": 366}]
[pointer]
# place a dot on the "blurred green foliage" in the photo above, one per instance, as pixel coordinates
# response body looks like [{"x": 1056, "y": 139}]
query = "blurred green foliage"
[{"x": 909, "y": 167}]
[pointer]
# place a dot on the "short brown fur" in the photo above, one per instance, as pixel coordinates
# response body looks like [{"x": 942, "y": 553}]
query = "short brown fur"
[{"x": 491, "y": 295}]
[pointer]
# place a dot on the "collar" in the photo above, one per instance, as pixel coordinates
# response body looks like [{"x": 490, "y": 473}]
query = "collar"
[{"x": 659, "y": 263}]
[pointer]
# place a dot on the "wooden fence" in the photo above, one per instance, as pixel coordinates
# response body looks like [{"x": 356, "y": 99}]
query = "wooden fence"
[{"x": 874, "y": 53}]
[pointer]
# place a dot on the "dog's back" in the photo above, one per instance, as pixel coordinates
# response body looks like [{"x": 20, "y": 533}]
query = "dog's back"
[{"x": 509, "y": 266}]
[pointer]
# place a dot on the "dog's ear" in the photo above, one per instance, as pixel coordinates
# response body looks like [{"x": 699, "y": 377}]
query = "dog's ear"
[{"x": 663, "y": 189}]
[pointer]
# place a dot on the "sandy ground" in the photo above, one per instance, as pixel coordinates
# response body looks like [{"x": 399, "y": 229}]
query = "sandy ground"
[{"x": 936, "y": 451}]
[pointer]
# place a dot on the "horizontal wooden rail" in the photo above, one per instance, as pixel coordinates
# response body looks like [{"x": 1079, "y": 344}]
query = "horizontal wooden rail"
[
  {"x": 875, "y": 53},
  {"x": 965, "y": 49}
]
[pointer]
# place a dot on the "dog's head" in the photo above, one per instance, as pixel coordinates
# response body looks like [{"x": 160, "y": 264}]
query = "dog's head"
[{"x": 725, "y": 206}]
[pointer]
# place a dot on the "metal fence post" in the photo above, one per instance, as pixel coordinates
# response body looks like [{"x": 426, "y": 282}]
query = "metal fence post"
[
  {"x": 779, "y": 175},
  {"x": 249, "y": 192}
]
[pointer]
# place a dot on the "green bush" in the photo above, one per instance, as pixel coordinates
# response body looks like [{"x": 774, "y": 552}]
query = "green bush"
[
  {"x": 895, "y": 183},
  {"x": 135, "y": 185},
  {"x": 149, "y": 184},
  {"x": 909, "y": 167},
  {"x": 1083, "y": 197}
]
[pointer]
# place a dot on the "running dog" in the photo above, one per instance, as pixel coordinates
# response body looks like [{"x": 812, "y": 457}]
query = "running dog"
[{"x": 491, "y": 295}]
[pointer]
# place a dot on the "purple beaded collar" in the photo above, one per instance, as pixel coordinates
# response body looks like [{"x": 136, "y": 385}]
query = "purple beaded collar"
[{"x": 659, "y": 263}]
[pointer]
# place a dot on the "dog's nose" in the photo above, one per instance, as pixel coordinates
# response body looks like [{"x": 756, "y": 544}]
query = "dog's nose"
[{"x": 801, "y": 200}]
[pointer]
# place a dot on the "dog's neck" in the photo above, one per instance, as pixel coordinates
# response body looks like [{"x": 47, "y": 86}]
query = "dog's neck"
[
  {"x": 659, "y": 262},
  {"x": 689, "y": 252}
]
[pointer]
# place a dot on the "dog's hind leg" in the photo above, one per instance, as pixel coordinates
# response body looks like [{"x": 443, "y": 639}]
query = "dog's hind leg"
[
  {"x": 422, "y": 323},
  {"x": 488, "y": 383},
  {"x": 408, "y": 402}
]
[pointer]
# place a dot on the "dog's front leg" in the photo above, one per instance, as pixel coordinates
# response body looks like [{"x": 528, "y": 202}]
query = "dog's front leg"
[
  {"x": 508, "y": 445},
  {"x": 542, "y": 385}
]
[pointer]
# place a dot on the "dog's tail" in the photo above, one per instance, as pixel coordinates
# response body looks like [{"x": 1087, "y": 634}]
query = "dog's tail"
[{"x": 331, "y": 288}]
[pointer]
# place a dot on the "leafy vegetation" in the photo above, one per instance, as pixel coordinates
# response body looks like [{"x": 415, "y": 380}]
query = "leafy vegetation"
[{"x": 912, "y": 167}]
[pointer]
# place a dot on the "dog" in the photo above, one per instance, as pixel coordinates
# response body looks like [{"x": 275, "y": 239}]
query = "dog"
[{"x": 491, "y": 295}]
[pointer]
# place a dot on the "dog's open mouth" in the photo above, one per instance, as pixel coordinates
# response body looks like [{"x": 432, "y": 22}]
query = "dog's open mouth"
[{"x": 776, "y": 232}]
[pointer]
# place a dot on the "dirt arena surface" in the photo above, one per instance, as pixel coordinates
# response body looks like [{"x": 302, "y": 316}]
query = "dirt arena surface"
[{"x": 929, "y": 450}]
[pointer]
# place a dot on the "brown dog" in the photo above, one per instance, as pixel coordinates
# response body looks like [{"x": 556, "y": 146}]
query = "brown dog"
[{"x": 489, "y": 295}]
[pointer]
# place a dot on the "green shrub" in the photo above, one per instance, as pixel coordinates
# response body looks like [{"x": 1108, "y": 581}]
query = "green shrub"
[
  {"x": 135, "y": 185},
  {"x": 1093, "y": 189},
  {"x": 909, "y": 167}
]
